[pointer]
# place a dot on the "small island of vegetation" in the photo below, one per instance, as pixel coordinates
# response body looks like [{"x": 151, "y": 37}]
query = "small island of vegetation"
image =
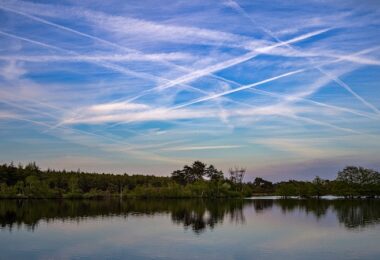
[{"x": 196, "y": 181}]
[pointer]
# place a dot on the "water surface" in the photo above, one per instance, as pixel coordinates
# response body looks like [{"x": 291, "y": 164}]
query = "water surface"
[{"x": 190, "y": 229}]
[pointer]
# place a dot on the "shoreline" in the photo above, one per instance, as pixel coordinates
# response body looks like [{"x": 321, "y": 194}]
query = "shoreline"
[{"x": 256, "y": 197}]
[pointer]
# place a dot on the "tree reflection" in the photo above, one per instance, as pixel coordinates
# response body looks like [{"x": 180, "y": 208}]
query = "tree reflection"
[
  {"x": 351, "y": 213},
  {"x": 196, "y": 215},
  {"x": 358, "y": 214},
  {"x": 262, "y": 204},
  {"x": 312, "y": 206}
]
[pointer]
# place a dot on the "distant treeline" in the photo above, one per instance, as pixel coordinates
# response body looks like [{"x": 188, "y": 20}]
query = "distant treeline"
[{"x": 195, "y": 181}]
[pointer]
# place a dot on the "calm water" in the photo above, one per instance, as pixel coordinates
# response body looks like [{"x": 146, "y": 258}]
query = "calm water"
[{"x": 190, "y": 229}]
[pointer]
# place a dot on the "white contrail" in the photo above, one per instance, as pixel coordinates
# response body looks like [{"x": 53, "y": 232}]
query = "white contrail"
[
  {"x": 28, "y": 108},
  {"x": 120, "y": 69},
  {"x": 196, "y": 101},
  {"x": 127, "y": 147},
  {"x": 349, "y": 89},
  {"x": 226, "y": 64},
  {"x": 99, "y": 63},
  {"x": 35, "y": 18},
  {"x": 142, "y": 75},
  {"x": 318, "y": 122},
  {"x": 220, "y": 66},
  {"x": 238, "y": 8},
  {"x": 108, "y": 65},
  {"x": 103, "y": 64},
  {"x": 286, "y": 97},
  {"x": 338, "y": 108},
  {"x": 210, "y": 147},
  {"x": 185, "y": 78},
  {"x": 237, "y": 89},
  {"x": 232, "y": 3},
  {"x": 213, "y": 96},
  {"x": 313, "y": 121},
  {"x": 339, "y": 58},
  {"x": 241, "y": 87},
  {"x": 86, "y": 35},
  {"x": 65, "y": 28},
  {"x": 31, "y": 41}
]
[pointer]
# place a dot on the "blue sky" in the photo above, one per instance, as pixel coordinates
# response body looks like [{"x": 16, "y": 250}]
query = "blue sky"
[{"x": 287, "y": 89}]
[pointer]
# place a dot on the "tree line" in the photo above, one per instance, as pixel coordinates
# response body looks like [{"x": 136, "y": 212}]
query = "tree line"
[
  {"x": 351, "y": 182},
  {"x": 198, "y": 180}
]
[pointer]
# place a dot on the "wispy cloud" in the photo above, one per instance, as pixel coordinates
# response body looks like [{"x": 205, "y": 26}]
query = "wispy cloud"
[
  {"x": 127, "y": 26},
  {"x": 140, "y": 85},
  {"x": 155, "y": 57},
  {"x": 210, "y": 147},
  {"x": 237, "y": 7},
  {"x": 118, "y": 106},
  {"x": 225, "y": 64}
]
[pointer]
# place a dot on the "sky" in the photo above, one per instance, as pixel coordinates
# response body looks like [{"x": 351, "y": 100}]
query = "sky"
[{"x": 285, "y": 89}]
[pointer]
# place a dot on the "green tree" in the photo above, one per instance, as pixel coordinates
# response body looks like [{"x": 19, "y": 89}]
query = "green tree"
[
  {"x": 213, "y": 174},
  {"x": 318, "y": 187},
  {"x": 356, "y": 181},
  {"x": 190, "y": 174}
]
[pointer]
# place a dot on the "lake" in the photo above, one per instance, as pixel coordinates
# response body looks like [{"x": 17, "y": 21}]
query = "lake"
[{"x": 190, "y": 229}]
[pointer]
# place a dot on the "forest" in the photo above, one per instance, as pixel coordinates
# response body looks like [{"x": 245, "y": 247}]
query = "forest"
[{"x": 198, "y": 180}]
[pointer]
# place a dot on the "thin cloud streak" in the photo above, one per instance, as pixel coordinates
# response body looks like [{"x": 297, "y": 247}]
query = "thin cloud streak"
[
  {"x": 185, "y": 85},
  {"x": 152, "y": 116},
  {"x": 154, "y": 57},
  {"x": 237, "y": 7},
  {"x": 232, "y": 3},
  {"x": 291, "y": 97},
  {"x": 127, "y": 148},
  {"x": 104, "y": 64},
  {"x": 31, "y": 41},
  {"x": 203, "y": 99},
  {"x": 211, "y": 147},
  {"x": 223, "y": 65},
  {"x": 35, "y": 18}
]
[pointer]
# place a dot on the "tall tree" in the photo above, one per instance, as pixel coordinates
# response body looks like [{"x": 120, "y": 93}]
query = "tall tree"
[
  {"x": 237, "y": 175},
  {"x": 213, "y": 174}
]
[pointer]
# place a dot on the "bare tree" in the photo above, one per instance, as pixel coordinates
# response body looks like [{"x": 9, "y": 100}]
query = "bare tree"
[{"x": 237, "y": 175}]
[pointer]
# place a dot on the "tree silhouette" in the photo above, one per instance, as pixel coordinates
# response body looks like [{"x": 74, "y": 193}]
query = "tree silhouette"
[{"x": 237, "y": 175}]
